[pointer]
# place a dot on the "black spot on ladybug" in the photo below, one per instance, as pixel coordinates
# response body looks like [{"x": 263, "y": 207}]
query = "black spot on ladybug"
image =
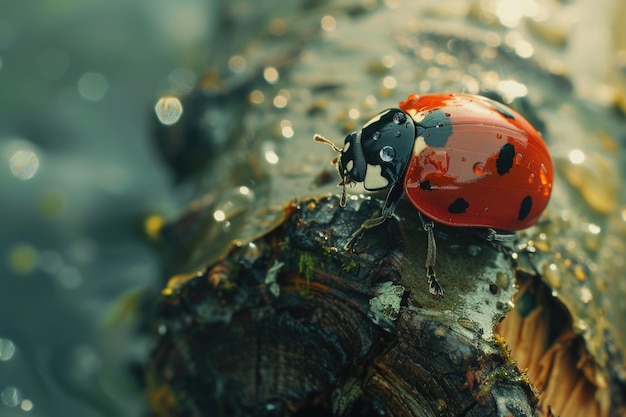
[
  {"x": 505, "y": 159},
  {"x": 426, "y": 185},
  {"x": 458, "y": 206},
  {"x": 435, "y": 128},
  {"x": 524, "y": 208}
]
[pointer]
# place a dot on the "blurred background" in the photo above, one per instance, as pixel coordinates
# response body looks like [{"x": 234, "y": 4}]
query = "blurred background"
[
  {"x": 78, "y": 85},
  {"x": 79, "y": 172}
]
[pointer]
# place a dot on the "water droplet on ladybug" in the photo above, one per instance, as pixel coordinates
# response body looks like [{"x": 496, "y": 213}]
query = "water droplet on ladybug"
[
  {"x": 531, "y": 178},
  {"x": 439, "y": 124},
  {"x": 387, "y": 153},
  {"x": 518, "y": 159},
  {"x": 397, "y": 134},
  {"x": 479, "y": 168},
  {"x": 376, "y": 135},
  {"x": 543, "y": 174},
  {"x": 399, "y": 118}
]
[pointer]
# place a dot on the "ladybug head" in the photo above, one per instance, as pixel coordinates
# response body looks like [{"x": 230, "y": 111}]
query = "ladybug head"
[{"x": 379, "y": 153}]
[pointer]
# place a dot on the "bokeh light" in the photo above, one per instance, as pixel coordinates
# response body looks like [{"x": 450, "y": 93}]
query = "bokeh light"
[
  {"x": 7, "y": 349},
  {"x": 168, "y": 110},
  {"x": 93, "y": 86},
  {"x": 24, "y": 164}
]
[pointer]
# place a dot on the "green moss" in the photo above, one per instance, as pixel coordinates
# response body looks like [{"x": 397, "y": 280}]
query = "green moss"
[
  {"x": 350, "y": 265},
  {"x": 286, "y": 245},
  {"x": 306, "y": 265}
]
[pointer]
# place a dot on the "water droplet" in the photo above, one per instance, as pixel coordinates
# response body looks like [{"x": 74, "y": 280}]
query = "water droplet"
[
  {"x": 235, "y": 201},
  {"x": 479, "y": 168},
  {"x": 168, "y": 110},
  {"x": 543, "y": 175},
  {"x": 503, "y": 280},
  {"x": 531, "y": 178},
  {"x": 439, "y": 124},
  {"x": 387, "y": 153},
  {"x": 376, "y": 135},
  {"x": 399, "y": 118}
]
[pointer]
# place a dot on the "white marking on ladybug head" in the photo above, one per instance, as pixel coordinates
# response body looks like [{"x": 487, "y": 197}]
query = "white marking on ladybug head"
[
  {"x": 375, "y": 119},
  {"x": 349, "y": 166},
  {"x": 346, "y": 147},
  {"x": 374, "y": 179},
  {"x": 419, "y": 145},
  {"x": 417, "y": 117}
]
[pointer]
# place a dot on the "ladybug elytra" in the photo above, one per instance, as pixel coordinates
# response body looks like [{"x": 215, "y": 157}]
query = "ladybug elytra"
[{"x": 461, "y": 160}]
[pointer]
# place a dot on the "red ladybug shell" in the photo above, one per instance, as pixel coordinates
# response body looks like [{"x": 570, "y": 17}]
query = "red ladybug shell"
[{"x": 476, "y": 163}]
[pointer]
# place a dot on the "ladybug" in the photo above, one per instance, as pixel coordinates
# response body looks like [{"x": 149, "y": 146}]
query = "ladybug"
[{"x": 462, "y": 160}]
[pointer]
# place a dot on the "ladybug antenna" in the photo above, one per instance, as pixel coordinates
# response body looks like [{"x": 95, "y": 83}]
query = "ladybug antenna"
[{"x": 321, "y": 139}]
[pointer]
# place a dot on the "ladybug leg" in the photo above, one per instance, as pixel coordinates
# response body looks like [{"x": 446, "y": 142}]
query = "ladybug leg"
[
  {"x": 391, "y": 203},
  {"x": 431, "y": 257},
  {"x": 493, "y": 235},
  {"x": 502, "y": 241}
]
